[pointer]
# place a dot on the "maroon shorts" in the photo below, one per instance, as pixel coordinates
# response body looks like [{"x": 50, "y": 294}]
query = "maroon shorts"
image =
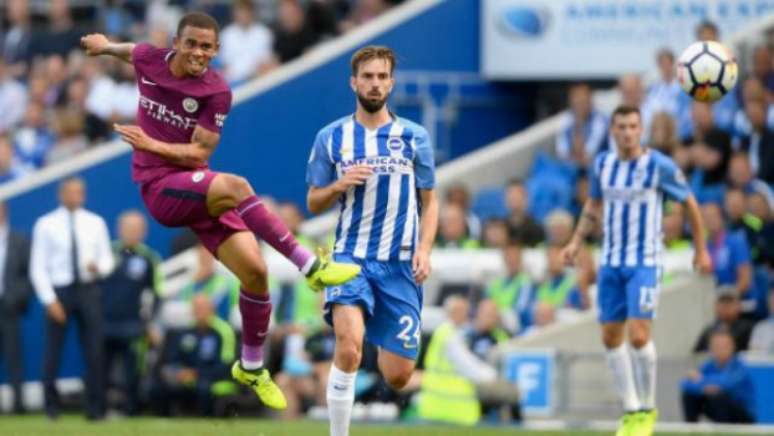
[{"x": 179, "y": 199}]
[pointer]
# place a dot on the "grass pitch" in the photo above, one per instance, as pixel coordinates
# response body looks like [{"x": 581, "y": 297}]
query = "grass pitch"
[{"x": 38, "y": 425}]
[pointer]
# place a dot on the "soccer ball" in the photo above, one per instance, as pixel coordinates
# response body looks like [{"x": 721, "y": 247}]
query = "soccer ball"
[{"x": 707, "y": 71}]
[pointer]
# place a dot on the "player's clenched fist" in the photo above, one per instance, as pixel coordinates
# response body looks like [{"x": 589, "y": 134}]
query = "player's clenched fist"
[
  {"x": 94, "y": 43},
  {"x": 354, "y": 176}
]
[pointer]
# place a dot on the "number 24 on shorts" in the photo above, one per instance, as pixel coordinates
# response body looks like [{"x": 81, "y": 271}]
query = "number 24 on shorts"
[{"x": 408, "y": 323}]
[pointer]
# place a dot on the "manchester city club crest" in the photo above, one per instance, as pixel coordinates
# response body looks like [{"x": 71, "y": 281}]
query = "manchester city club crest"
[
  {"x": 395, "y": 143},
  {"x": 190, "y": 105}
]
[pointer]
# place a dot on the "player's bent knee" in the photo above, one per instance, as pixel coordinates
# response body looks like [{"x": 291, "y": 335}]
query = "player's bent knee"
[
  {"x": 234, "y": 188},
  {"x": 255, "y": 277},
  {"x": 638, "y": 339},
  {"x": 397, "y": 379},
  {"x": 348, "y": 353}
]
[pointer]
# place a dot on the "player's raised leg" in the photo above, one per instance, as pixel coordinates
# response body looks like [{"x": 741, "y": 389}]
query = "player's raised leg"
[
  {"x": 349, "y": 327},
  {"x": 228, "y": 191},
  {"x": 397, "y": 370},
  {"x": 241, "y": 254}
]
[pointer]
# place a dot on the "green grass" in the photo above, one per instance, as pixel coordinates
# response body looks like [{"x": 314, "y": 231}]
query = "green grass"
[{"x": 37, "y": 425}]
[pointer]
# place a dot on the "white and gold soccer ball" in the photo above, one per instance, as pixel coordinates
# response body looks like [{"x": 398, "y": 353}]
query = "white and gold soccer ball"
[{"x": 707, "y": 71}]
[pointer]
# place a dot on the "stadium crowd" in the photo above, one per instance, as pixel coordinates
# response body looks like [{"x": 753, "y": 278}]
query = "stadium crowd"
[
  {"x": 56, "y": 102},
  {"x": 726, "y": 151}
]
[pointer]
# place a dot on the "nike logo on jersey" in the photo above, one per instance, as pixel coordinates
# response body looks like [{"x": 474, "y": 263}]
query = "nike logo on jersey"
[{"x": 147, "y": 82}]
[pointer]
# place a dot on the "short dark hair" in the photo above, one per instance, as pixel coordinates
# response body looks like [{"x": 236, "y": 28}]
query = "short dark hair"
[
  {"x": 200, "y": 20},
  {"x": 624, "y": 110},
  {"x": 709, "y": 25},
  {"x": 370, "y": 52}
]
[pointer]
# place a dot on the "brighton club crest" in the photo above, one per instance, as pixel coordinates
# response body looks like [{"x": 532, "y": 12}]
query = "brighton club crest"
[{"x": 190, "y": 105}]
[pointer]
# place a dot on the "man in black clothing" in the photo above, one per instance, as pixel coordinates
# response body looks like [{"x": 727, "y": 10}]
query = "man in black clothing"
[
  {"x": 126, "y": 323},
  {"x": 524, "y": 227},
  {"x": 292, "y": 37},
  {"x": 195, "y": 365},
  {"x": 727, "y": 315},
  {"x": 15, "y": 292},
  {"x": 760, "y": 145}
]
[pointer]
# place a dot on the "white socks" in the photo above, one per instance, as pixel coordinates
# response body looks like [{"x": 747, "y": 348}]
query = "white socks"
[
  {"x": 644, "y": 361},
  {"x": 623, "y": 377},
  {"x": 341, "y": 396}
]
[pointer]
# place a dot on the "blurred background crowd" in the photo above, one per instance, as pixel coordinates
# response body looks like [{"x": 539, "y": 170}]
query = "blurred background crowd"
[{"x": 56, "y": 102}]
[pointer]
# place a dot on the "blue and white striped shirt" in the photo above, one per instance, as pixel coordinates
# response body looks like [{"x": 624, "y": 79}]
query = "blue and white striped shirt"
[
  {"x": 633, "y": 194},
  {"x": 380, "y": 219}
]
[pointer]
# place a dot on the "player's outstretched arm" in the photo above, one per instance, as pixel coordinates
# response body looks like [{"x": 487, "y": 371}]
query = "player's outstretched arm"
[
  {"x": 428, "y": 227},
  {"x": 320, "y": 199},
  {"x": 701, "y": 257},
  {"x": 96, "y": 44},
  {"x": 586, "y": 224},
  {"x": 191, "y": 155}
]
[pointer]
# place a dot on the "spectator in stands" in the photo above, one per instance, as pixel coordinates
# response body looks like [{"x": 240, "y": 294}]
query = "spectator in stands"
[
  {"x": 517, "y": 200},
  {"x": 292, "y": 36},
  {"x": 760, "y": 207},
  {"x": 730, "y": 255},
  {"x": 13, "y": 100},
  {"x": 560, "y": 288},
  {"x": 362, "y": 12},
  {"x": 486, "y": 332},
  {"x": 245, "y": 44},
  {"x": 740, "y": 176},
  {"x": 631, "y": 89},
  {"x": 221, "y": 289},
  {"x": 196, "y": 362},
  {"x": 674, "y": 228},
  {"x": 751, "y": 90},
  {"x": 456, "y": 384},
  {"x": 10, "y": 167},
  {"x": 584, "y": 131},
  {"x": 559, "y": 226},
  {"x": 69, "y": 127},
  {"x": 15, "y": 292},
  {"x": 727, "y": 316},
  {"x": 321, "y": 17},
  {"x": 15, "y": 47},
  {"x": 460, "y": 195},
  {"x": 762, "y": 66},
  {"x": 665, "y": 95},
  {"x": 70, "y": 254},
  {"x": 739, "y": 220},
  {"x": 703, "y": 128},
  {"x": 760, "y": 145},
  {"x": 94, "y": 128},
  {"x": 707, "y": 31},
  {"x": 663, "y": 133},
  {"x": 292, "y": 216},
  {"x": 722, "y": 389},
  {"x": 127, "y": 322},
  {"x": 512, "y": 293},
  {"x": 33, "y": 139},
  {"x": 496, "y": 233},
  {"x": 762, "y": 339},
  {"x": 61, "y": 35},
  {"x": 453, "y": 230},
  {"x": 543, "y": 314},
  {"x": 710, "y": 169}
]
